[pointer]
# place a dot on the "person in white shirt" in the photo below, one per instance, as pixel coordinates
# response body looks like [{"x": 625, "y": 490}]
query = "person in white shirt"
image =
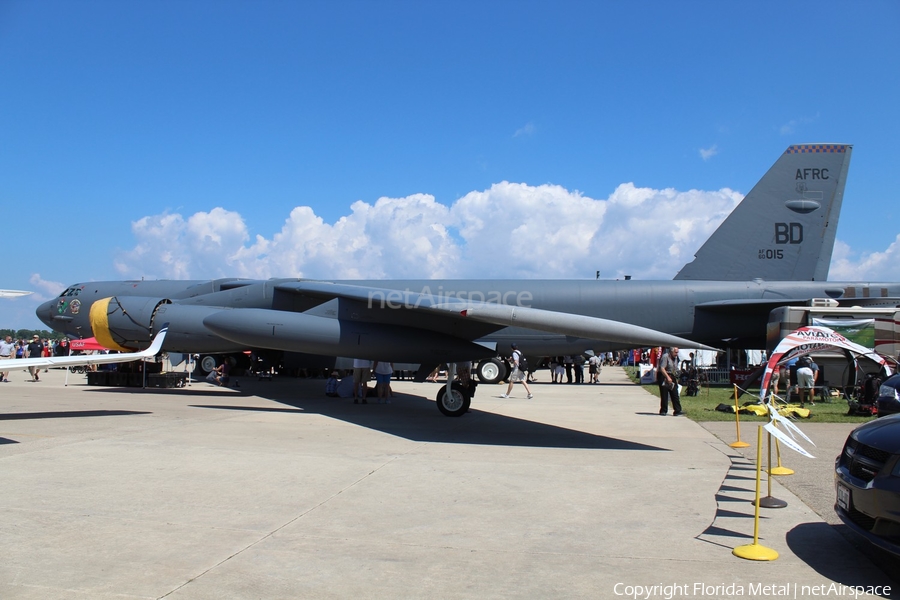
[
  {"x": 517, "y": 374},
  {"x": 7, "y": 351}
]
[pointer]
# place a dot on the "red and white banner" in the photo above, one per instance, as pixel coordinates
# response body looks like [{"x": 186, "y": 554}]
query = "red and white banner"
[
  {"x": 810, "y": 339},
  {"x": 85, "y": 344}
]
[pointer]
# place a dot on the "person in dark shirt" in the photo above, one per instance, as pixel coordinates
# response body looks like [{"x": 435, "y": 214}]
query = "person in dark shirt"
[
  {"x": 35, "y": 350},
  {"x": 667, "y": 378},
  {"x": 62, "y": 348}
]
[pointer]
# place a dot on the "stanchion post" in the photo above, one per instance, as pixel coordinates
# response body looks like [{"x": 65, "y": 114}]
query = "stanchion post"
[
  {"x": 755, "y": 551},
  {"x": 737, "y": 423},
  {"x": 779, "y": 470},
  {"x": 770, "y": 501}
]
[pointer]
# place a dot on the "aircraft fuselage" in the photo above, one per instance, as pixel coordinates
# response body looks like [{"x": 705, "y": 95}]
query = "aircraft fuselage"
[{"x": 233, "y": 315}]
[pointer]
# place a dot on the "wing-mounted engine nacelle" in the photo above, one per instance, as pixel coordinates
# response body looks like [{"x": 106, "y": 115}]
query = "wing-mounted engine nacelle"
[
  {"x": 127, "y": 322},
  {"x": 124, "y": 323}
]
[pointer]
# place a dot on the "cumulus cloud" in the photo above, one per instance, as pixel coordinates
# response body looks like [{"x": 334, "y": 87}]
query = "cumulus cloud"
[
  {"x": 174, "y": 247},
  {"x": 44, "y": 289},
  {"x": 507, "y": 230},
  {"x": 847, "y": 265}
]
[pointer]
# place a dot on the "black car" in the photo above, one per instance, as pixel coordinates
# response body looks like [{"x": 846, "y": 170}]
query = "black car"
[
  {"x": 867, "y": 482},
  {"x": 888, "y": 402}
]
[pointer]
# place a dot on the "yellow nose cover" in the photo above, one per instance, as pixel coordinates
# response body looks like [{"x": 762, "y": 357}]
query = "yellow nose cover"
[{"x": 100, "y": 325}]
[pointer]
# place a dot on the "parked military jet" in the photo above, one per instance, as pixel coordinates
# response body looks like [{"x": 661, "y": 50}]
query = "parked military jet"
[{"x": 773, "y": 250}]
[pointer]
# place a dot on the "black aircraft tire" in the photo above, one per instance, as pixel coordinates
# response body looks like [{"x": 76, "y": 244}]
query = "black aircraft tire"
[
  {"x": 458, "y": 403},
  {"x": 491, "y": 370}
]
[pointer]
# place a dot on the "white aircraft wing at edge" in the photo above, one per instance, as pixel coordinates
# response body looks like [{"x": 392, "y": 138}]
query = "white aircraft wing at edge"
[{"x": 91, "y": 359}]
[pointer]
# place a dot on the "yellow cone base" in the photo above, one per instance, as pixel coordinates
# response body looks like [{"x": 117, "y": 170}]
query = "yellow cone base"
[
  {"x": 781, "y": 471},
  {"x": 755, "y": 552},
  {"x": 739, "y": 444}
]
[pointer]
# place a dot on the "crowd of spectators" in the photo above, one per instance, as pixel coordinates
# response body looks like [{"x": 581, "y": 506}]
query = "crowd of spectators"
[{"x": 11, "y": 349}]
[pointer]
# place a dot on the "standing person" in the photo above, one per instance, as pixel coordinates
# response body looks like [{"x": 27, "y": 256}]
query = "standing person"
[
  {"x": 361, "y": 370},
  {"x": 568, "y": 362},
  {"x": 518, "y": 373},
  {"x": 594, "y": 365},
  {"x": 806, "y": 379},
  {"x": 667, "y": 378},
  {"x": 578, "y": 368},
  {"x": 383, "y": 371},
  {"x": 559, "y": 369},
  {"x": 7, "y": 351},
  {"x": 61, "y": 348},
  {"x": 35, "y": 350}
]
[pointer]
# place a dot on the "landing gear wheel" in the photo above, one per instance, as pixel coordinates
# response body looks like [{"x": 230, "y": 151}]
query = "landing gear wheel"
[
  {"x": 456, "y": 404},
  {"x": 491, "y": 370},
  {"x": 206, "y": 364}
]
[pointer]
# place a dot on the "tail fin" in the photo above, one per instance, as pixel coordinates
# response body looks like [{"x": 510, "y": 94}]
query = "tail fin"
[{"x": 783, "y": 230}]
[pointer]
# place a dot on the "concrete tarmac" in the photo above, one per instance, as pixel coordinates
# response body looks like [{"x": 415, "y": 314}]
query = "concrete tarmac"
[{"x": 274, "y": 491}]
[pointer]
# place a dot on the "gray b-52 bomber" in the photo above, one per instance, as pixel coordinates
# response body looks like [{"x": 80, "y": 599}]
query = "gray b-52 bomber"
[{"x": 773, "y": 250}]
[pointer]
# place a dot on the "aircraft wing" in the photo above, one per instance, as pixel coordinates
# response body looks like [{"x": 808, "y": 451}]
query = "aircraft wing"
[
  {"x": 91, "y": 359},
  {"x": 567, "y": 324},
  {"x": 500, "y": 315}
]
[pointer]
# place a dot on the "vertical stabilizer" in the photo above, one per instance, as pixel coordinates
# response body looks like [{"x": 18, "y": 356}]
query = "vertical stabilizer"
[{"x": 783, "y": 230}]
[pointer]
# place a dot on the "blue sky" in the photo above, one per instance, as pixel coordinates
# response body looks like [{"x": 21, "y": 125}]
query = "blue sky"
[{"x": 424, "y": 139}]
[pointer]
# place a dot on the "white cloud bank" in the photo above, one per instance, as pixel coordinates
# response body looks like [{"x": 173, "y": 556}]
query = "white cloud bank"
[
  {"x": 510, "y": 230},
  {"x": 43, "y": 289},
  {"x": 847, "y": 265}
]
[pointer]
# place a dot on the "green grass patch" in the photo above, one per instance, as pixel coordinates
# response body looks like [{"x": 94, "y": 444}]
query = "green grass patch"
[{"x": 703, "y": 406}]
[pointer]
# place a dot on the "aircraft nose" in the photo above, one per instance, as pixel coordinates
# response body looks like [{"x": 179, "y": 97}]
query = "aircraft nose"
[
  {"x": 46, "y": 313},
  {"x": 60, "y": 316}
]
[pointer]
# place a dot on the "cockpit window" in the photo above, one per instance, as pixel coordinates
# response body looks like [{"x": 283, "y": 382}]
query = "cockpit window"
[{"x": 72, "y": 291}]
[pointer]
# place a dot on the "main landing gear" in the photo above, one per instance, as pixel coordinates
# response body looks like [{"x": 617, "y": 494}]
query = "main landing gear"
[
  {"x": 456, "y": 403},
  {"x": 492, "y": 370}
]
